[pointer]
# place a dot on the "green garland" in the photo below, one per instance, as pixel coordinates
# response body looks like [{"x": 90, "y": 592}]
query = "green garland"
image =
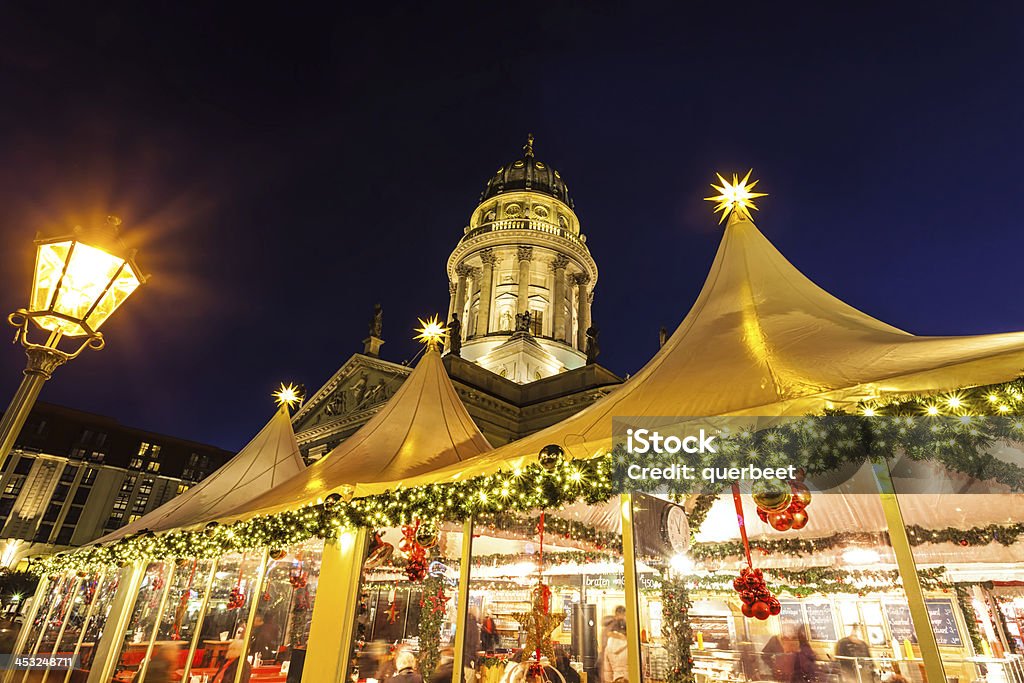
[
  {"x": 675, "y": 627},
  {"x": 947, "y": 435},
  {"x": 1006, "y": 535},
  {"x": 963, "y": 599},
  {"x": 553, "y": 526},
  {"x": 812, "y": 580},
  {"x": 430, "y": 626}
]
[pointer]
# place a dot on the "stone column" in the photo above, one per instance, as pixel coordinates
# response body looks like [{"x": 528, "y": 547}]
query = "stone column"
[
  {"x": 453, "y": 289},
  {"x": 525, "y": 255},
  {"x": 462, "y": 271},
  {"x": 486, "y": 281},
  {"x": 558, "y": 265},
  {"x": 581, "y": 280}
]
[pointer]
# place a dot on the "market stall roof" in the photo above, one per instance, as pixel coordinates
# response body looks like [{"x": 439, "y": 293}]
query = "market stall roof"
[
  {"x": 422, "y": 428},
  {"x": 270, "y": 458},
  {"x": 763, "y": 340}
]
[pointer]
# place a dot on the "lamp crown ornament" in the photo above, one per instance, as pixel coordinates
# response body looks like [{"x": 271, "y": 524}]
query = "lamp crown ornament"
[{"x": 736, "y": 197}]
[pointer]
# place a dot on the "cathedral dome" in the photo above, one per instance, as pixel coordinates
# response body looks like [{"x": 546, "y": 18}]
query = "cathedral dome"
[{"x": 527, "y": 173}]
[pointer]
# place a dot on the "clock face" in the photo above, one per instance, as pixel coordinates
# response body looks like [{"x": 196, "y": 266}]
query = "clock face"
[{"x": 675, "y": 528}]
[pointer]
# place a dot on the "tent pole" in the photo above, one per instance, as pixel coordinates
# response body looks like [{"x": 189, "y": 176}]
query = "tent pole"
[
  {"x": 118, "y": 618},
  {"x": 197, "y": 630},
  {"x": 458, "y": 666},
  {"x": 257, "y": 595},
  {"x": 42, "y": 631},
  {"x": 64, "y": 622},
  {"x": 334, "y": 616},
  {"x": 908, "y": 572},
  {"x": 155, "y": 633},
  {"x": 631, "y": 587},
  {"x": 44, "y": 585}
]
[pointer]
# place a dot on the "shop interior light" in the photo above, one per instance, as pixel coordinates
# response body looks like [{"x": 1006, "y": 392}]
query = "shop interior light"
[
  {"x": 681, "y": 563},
  {"x": 860, "y": 556}
]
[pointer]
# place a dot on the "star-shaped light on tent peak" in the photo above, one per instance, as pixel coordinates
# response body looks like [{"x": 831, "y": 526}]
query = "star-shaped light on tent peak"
[
  {"x": 736, "y": 196},
  {"x": 288, "y": 395},
  {"x": 432, "y": 332}
]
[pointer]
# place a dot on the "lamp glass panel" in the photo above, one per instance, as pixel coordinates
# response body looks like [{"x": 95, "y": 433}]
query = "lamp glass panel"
[
  {"x": 126, "y": 283},
  {"x": 89, "y": 272},
  {"x": 50, "y": 259}
]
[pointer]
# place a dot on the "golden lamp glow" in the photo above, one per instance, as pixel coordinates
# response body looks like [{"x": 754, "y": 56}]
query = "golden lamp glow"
[
  {"x": 735, "y": 196},
  {"x": 77, "y": 286},
  {"x": 432, "y": 332},
  {"x": 287, "y": 395}
]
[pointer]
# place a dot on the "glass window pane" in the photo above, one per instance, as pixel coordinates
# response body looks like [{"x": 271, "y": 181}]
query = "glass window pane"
[
  {"x": 143, "y": 620},
  {"x": 232, "y": 595},
  {"x": 398, "y": 615},
  {"x": 93, "y": 631}
]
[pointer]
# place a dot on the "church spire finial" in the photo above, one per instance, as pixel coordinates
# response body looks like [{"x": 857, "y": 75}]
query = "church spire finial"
[{"x": 528, "y": 147}]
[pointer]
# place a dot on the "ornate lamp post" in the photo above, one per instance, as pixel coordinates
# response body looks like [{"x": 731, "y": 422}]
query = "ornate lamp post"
[{"x": 80, "y": 280}]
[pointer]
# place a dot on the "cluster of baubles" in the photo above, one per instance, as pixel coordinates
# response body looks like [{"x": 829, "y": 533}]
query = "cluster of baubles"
[
  {"x": 236, "y": 599},
  {"x": 412, "y": 544},
  {"x": 783, "y": 506},
  {"x": 758, "y": 601}
]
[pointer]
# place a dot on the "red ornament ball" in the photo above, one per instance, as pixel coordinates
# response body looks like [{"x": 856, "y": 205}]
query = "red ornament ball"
[
  {"x": 801, "y": 494},
  {"x": 762, "y": 515},
  {"x": 799, "y": 519},
  {"x": 781, "y": 521},
  {"x": 760, "y": 610},
  {"x": 747, "y": 610},
  {"x": 774, "y": 606}
]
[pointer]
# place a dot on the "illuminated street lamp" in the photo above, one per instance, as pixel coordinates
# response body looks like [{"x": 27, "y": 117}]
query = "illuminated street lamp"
[{"x": 80, "y": 280}]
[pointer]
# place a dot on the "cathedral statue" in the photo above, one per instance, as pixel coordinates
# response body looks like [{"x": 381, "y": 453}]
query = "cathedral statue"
[
  {"x": 377, "y": 321},
  {"x": 523, "y": 321},
  {"x": 455, "y": 336},
  {"x": 593, "y": 349},
  {"x": 662, "y": 337}
]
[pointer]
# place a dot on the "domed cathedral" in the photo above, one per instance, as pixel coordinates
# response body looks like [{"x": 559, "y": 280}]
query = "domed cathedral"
[
  {"x": 522, "y": 278},
  {"x": 521, "y": 283}
]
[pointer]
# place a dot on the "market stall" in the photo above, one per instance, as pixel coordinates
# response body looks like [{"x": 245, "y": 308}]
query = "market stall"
[{"x": 514, "y": 563}]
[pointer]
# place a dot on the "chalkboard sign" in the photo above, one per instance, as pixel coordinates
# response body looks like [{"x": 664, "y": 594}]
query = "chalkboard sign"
[
  {"x": 792, "y": 614},
  {"x": 820, "y": 622},
  {"x": 900, "y": 625},
  {"x": 943, "y": 619},
  {"x": 567, "y": 608}
]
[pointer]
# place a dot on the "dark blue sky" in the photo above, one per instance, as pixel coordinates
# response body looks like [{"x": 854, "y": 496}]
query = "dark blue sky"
[{"x": 281, "y": 172}]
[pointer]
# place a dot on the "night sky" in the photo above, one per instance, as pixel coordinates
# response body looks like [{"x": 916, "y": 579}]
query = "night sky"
[{"x": 281, "y": 172}]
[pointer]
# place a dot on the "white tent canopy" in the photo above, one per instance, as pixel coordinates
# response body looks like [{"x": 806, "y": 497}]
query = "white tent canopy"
[
  {"x": 422, "y": 428},
  {"x": 763, "y": 340},
  {"x": 270, "y": 458}
]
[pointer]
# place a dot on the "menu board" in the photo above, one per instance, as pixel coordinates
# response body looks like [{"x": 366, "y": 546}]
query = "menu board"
[
  {"x": 792, "y": 614},
  {"x": 943, "y": 619},
  {"x": 715, "y": 628},
  {"x": 900, "y": 625},
  {"x": 940, "y": 614},
  {"x": 820, "y": 621}
]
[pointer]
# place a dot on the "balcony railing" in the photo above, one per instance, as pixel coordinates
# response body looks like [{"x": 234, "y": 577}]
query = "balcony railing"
[{"x": 524, "y": 224}]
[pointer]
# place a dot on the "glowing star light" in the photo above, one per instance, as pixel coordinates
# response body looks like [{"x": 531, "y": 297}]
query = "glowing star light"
[
  {"x": 287, "y": 395},
  {"x": 735, "y": 196},
  {"x": 432, "y": 332}
]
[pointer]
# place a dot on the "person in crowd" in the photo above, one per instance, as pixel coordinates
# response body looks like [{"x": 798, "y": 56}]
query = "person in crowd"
[
  {"x": 164, "y": 663},
  {"x": 563, "y": 666},
  {"x": 445, "y": 670},
  {"x": 405, "y": 662},
  {"x": 615, "y": 658},
  {"x": 266, "y": 635},
  {"x": 390, "y": 666},
  {"x": 472, "y": 642},
  {"x": 606, "y": 624},
  {"x": 488, "y": 633},
  {"x": 855, "y": 658},
  {"x": 790, "y": 657},
  {"x": 227, "y": 671}
]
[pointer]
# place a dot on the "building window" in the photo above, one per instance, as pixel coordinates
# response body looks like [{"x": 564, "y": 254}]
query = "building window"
[
  {"x": 6, "y": 505},
  {"x": 146, "y": 486},
  {"x": 132, "y": 518},
  {"x": 536, "y": 323},
  {"x": 81, "y": 495},
  {"x": 24, "y": 465},
  {"x": 115, "y": 520},
  {"x": 78, "y": 453},
  {"x": 52, "y": 512},
  {"x": 13, "y": 487},
  {"x": 64, "y": 537},
  {"x": 182, "y": 488},
  {"x": 74, "y": 514},
  {"x": 89, "y": 477},
  {"x": 152, "y": 466},
  {"x": 43, "y": 534},
  {"x": 60, "y": 493},
  {"x": 97, "y": 456},
  {"x": 68, "y": 475},
  {"x": 135, "y": 464}
]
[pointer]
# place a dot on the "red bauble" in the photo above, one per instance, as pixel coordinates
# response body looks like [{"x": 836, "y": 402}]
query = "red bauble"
[
  {"x": 762, "y": 515},
  {"x": 801, "y": 494},
  {"x": 781, "y": 521},
  {"x": 760, "y": 610},
  {"x": 774, "y": 606},
  {"x": 747, "y": 610},
  {"x": 799, "y": 520},
  {"x": 738, "y": 584}
]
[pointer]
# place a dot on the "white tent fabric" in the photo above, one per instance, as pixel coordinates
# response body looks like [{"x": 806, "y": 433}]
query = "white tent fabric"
[
  {"x": 422, "y": 428},
  {"x": 271, "y": 458},
  {"x": 762, "y": 339}
]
